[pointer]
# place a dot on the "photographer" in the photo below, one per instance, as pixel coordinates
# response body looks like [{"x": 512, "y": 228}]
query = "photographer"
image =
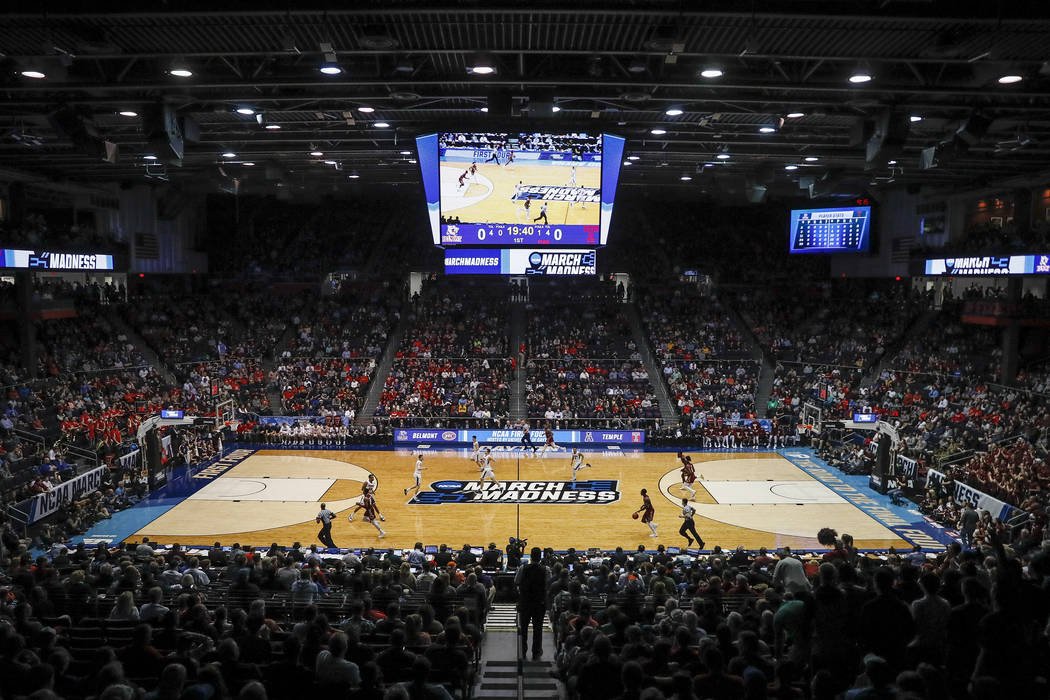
[{"x": 515, "y": 551}]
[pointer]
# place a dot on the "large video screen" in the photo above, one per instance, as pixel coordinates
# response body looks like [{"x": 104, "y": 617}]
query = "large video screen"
[
  {"x": 520, "y": 189},
  {"x": 837, "y": 230}
]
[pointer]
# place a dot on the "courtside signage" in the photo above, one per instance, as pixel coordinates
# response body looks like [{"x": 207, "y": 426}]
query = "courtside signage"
[
  {"x": 595, "y": 492},
  {"x": 504, "y": 437}
]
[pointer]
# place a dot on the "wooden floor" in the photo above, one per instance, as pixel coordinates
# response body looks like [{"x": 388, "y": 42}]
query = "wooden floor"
[
  {"x": 488, "y": 200},
  {"x": 742, "y": 498}
]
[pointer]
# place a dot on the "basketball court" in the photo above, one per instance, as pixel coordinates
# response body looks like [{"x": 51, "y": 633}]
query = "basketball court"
[
  {"x": 748, "y": 498},
  {"x": 489, "y": 195}
]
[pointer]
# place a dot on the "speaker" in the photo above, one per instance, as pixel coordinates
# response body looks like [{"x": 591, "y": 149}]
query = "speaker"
[
  {"x": 160, "y": 123},
  {"x": 928, "y": 158},
  {"x": 887, "y": 138},
  {"x": 112, "y": 152},
  {"x": 973, "y": 129}
]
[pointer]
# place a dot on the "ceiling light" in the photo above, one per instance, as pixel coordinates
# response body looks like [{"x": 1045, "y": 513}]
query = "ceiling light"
[
  {"x": 891, "y": 162},
  {"x": 150, "y": 157},
  {"x": 180, "y": 71},
  {"x": 34, "y": 74},
  {"x": 637, "y": 65},
  {"x": 229, "y": 154},
  {"x": 485, "y": 110},
  {"x": 353, "y": 175},
  {"x": 330, "y": 69},
  {"x": 795, "y": 115},
  {"x": 1008, "y": 79},
  {"x": 657, "y": 132},
  {"x": 365, "y": 109},
  {"x": 790, "y": 167},
  {"x": 317, "y": 153},
  {"x": 632, "y": 157},
  {"x": 722, "y": 156},
  {"x": 273, "y": 127},
  {"x": 673, "y": 111},
  {"x": 248, "y": 163},
  {"x": 380, "y": 125},
  {"x": 860, "y": 77},
  {"x": 627, "y": 162},
  {"x": 246, "y": 111},
  {"x": 329, "y": 162},
  {"x": 766, "y": 129},
  {"x": 711, "y": 72},
  {"x": 482, "y": 64},
  {"x": 555, "y": 109},
  {"x": 406, "y": 153},
  {"x": 812, "y": 159},
  {"x": 412, "y": 161},
  {"x": 128, "y": 113},
  {"x": 685, "y": 178},
  {"x": 914, "y": 118}
]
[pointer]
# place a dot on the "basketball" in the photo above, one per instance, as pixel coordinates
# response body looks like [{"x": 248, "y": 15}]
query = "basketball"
[{"x": 634, "y": 515}]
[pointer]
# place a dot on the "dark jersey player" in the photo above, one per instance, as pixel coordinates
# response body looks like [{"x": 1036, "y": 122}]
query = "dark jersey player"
[{"x": 648, "y": 513}]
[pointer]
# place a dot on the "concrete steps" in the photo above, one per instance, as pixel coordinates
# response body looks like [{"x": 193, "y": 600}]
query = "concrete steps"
[
  {"x": 668, "y": 410},
  {"x": 375, "y": 389}
]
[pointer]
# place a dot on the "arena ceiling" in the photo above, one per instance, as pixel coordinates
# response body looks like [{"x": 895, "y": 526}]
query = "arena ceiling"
[{"x": 620, "y": 67}]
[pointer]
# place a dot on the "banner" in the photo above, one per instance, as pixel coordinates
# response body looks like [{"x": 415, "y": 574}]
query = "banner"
[
  {"x": 970, "y": 495},
  {"x": 44, "y": 504},
  {"x": 766, "y": 424},
  {"x": 480, "y": 155},
  {"x": 53, "y": 260},
  {"x": 518, "y": 261},
  {"x": 990, "y": 265},
  {"x": 513, "y": 436},
  {"x": 905, "y": 468}
]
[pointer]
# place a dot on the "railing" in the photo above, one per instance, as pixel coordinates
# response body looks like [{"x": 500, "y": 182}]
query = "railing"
[{"x": 31, "y": 437}]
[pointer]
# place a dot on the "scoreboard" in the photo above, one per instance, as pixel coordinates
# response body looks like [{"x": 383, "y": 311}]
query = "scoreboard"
[{"x": 837, "y": 230}]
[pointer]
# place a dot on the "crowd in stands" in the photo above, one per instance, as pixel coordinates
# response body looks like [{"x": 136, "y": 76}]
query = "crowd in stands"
[
  {"x": 238, "y": 623},
  {"x": 454, "y": 359},
  {"x": 35, "y": 232},
  {"x": 833, "y": 324}
]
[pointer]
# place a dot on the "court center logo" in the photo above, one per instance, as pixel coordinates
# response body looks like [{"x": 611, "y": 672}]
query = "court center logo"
[{"x": 594, "y": 492}]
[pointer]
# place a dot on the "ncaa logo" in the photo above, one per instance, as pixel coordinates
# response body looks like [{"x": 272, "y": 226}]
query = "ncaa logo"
[
  {"x": 950, "y": 262},
  {"x": 449, "y": 435},
  {"x": 402, "y": 435},
  {"x": 447, "y": 486},
  {"x": 535, "y": 259}
]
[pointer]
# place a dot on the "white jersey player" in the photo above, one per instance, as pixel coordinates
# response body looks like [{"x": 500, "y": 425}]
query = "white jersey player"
[
  {"x": 367, "y": 489},
  {"x": 572, "y": 177},
  {"x": 486, "y": 468},
  {"x": 576, "y": 461},
  {"x": 475, "y": 450},
  {"x": 417, "y": 474}
]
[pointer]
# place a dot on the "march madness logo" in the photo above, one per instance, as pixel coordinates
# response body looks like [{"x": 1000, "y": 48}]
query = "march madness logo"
[
  {"x": 581, "y": 263},
  {"x": 596, "y": 492},
  {"x": 547, "y": 193}
]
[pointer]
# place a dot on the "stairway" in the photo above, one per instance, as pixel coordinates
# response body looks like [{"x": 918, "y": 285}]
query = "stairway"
[
  {"x": 767, "y": 372},
  {"x": 517, "y": 384},
  {"x": 142, "y": 346},
  {"x": 274, "y": 393},
  {"x": 386, "y": 361},
  {"x": 499, "y": 661},
  {"x": 914, "y": 329},
  {"x": 765, "y": 386},
  {"x": 668, "y": 411}
]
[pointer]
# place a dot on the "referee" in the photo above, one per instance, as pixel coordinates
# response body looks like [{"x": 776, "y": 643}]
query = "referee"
[
  {"x": 689, "y": 527},
  {"x": 543, "y": 214},
  {"x": 325, "y": 518}
]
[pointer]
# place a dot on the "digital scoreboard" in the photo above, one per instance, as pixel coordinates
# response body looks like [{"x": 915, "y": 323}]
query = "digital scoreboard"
[
  {"x": 837, "y": 230},
  {"x": 520, "y": 189}
]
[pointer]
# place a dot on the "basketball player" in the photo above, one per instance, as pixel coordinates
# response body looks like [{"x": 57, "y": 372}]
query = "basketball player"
[
  {"x": 688, "y": 474},
  {"x": 510, "y": 160},
  {"x": 486, "y": 468},
  {"x": 548, "y": 441},
  {"x": 576, "y": 461},
  {"x": 526, "y": 438},
  {"x": 324, "y": 519},
  {"x": 475, "y": 455},
  {"x": 371, "y": 511},
  {"x": 543, "y": 214},
  {"x": 463, "y": 180},
  {"x": 648, "y": 513},
  {"x": 527, "y": 205},
  {"x": 367, "y": 489},
  {"x": 473, "y": 171},
  {"x": 417, "y": 475},
  {"x": 688, "y": 529},
  {"x": 572, "y": 177}
]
